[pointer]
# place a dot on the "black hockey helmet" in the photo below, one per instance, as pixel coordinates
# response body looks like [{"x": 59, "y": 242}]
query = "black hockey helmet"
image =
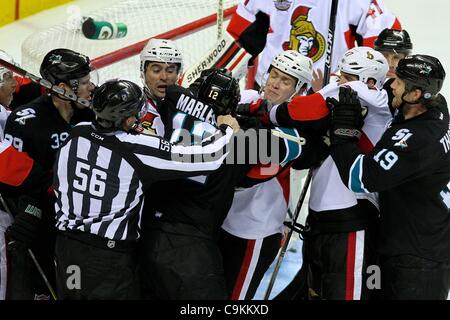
[
  {"x": 421, "y": 72},
  {"x": 116, "y": 100},
  {"x": 394, "y": 40},
  {"x": 219, "y": 89},
  {"x": 65, "y": 65}
]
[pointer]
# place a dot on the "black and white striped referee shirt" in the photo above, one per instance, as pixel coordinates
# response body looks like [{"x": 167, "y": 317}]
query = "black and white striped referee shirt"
[{"x": 100, "y": 180}]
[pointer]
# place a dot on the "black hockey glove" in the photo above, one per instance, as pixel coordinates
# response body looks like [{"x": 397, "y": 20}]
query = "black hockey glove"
[
  {"x": 27, "y": 226},
  {"x": 255, "y": 114},
  {"x": 347, "y": 117}
]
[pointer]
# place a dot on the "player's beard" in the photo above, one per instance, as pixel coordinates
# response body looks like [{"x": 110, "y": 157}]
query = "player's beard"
[{"x": 397, "y": 102}]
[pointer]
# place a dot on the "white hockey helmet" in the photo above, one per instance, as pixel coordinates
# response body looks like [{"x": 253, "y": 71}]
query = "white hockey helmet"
[
  {"x": 366, "y": 63},
  {"x": 161, "y": 50},
  {"x": 7, "y": 58},
  {"x": 296, "y": 65}
]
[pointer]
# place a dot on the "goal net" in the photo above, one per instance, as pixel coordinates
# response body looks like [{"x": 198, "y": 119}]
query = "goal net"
[{"x": 191, "y": 23}]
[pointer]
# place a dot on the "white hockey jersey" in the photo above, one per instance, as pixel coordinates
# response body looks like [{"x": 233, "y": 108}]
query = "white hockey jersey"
[
  {"x": 328, "y": 192},
  {"x": 152, "y": 122},
  {"x": 302, "y": 25},
  {"x": 4, "y": 113},
  {"x": 259, "y": 211}
]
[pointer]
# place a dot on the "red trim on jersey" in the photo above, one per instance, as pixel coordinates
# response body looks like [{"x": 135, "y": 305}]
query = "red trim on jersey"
[
  {"x": 251, "y": 74},
  {"x": 349, "y": 39},
  {"x": 15, "y": 166},
  {"x": 237, "y": 25},
  {"x": 350, "y": 277},
  {"x": 243, "y": 271},
  {"x": 312, "y": 107},
  {"x": 149, "y": 116},
  {"x": 369, "y": 42},
  {"x": 255, "y": 171},
  {"x": 364, "y": 144},
  {"x": 284, "y": 181}
]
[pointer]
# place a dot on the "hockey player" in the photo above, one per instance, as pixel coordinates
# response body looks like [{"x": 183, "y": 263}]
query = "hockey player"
[
  {"x": 302, "y": 25},
  {"x": 252, "y": 231},
  {"x": 39, "y": 129},
  {"x": 410, "y": 168},
  {"x": 7, "y": 156},
  {"x": 183, "y": 259},
  {"x": 344, "y": 220},
  {"x": 161, "y": 64},
  {"x": 394, "y": 45},
  {"x": 7, "y": 86},
  {"x": 180, "y": 257},
  {"x": 101, "y": 174},
  {"x": 336, "y": 214}
]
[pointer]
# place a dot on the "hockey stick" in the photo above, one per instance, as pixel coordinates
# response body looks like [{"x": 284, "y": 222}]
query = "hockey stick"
[
  {"x": 47, "y": 283},
  {"x": 36, "y": 263},
  {"x": 44, "y": 83},
  {"x": 219, "y": 19},
  {"x": 326, "y": 79},
  {"x": 282, "y": 135}
]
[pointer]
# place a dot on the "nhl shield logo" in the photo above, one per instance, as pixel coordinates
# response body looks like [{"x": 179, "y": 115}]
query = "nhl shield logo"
[
  {"x": 111, "y": 244},
  {"x": 41, "y": 297}
]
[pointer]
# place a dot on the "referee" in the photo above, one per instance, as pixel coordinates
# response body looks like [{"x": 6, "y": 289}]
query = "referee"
[{"x": 101, "y": 174}]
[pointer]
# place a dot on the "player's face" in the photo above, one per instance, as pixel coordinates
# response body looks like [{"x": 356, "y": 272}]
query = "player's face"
[
  {"x": 346, "y": 77},
  {"x": 279, "y": 87},
  {"x": 398, "y": 89},
  {"x": 160, "y": 75},
  {"x": 393, "y": 58},
  {"x": 85, "y": 87},
  {"x": 7, "y": 87}
]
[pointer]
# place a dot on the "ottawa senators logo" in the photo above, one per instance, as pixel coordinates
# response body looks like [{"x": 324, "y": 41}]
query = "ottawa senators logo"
[
  {"x": 304, "y": 37},
  {"x": 147, "y": 126}
]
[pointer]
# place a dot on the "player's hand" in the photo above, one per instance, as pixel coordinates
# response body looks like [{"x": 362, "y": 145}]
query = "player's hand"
[
  {"x": 259, "y": 109},
  {"x": 27, "y": 227},
  {"x": 317, "y": 80},
  {"x": 229, "y": 121},
  {"x": 253, "y": 108},
  {"x": 346, "y": 117}
]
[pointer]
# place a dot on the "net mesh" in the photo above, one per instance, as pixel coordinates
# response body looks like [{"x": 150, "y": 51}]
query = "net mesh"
[{"x": 144, "y": 19}]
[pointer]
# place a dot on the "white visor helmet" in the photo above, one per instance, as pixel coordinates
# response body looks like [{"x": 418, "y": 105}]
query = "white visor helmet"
[
  {"x": 161, "y": 50},
  {"x": 366, "y": 63},
  {"x": 3, "y": 70},
  {"x": 296, "y": 65}
]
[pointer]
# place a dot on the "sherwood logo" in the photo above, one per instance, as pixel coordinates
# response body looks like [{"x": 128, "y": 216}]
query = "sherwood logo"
[{"x": 207, "y": 62}]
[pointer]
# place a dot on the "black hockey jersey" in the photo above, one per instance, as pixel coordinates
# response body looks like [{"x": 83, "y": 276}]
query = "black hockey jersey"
[
  {"x": 38, "y": 129},
  {"x": 410, "y": 167},
  {"x": 202, "y": 202}
]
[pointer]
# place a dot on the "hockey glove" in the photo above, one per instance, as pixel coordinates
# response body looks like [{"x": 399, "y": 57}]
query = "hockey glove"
[
  {"x": 258, "y": 109},
  {"x": 346, "y": 117},
  {"x": 27, "y": 226}
]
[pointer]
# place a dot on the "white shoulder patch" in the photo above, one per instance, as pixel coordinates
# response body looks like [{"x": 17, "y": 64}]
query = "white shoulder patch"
[
  {"x": 402, "y": 136},
  {"x": 24, "y": 115}
]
